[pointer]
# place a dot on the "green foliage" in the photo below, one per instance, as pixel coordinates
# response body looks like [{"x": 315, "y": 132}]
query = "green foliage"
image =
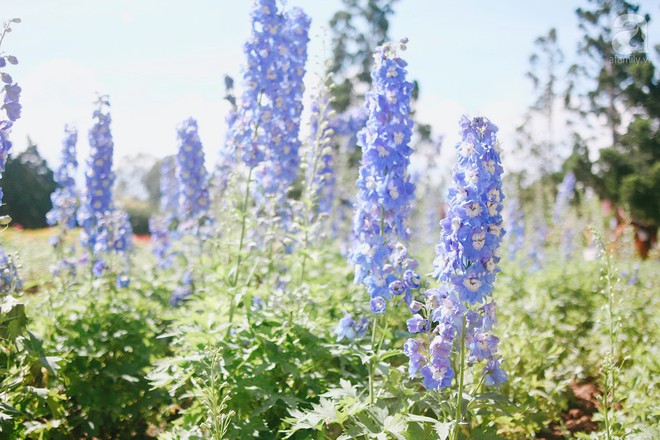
[
  {"x": 275, "y": 357},
  {"x": 27, "y": 184},
  {"x": 607, "y": 79},
  {"x": 27, "y": 407},
  {"x": 139, "y": 212},
  {"x": 132, "y": 366},
  {"x": 626, "y": 172},
  {"x": 105, "y": 340},
  {"x": 639, "y": 193}
]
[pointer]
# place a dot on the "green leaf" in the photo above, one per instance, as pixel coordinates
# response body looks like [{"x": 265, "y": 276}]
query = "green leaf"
[
  {"x": 12, "y": 318},
  {"x": 441, "y": 429}
]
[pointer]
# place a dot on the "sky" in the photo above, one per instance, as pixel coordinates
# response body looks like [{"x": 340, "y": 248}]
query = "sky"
[{"x": 161, "y": 61}]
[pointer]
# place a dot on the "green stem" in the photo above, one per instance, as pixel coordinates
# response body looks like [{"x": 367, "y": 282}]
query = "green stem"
[
  {"x": 239, "y": 259},
  {"x": 606, "y": 418},
  {"x": 609, "y": 376},
  {"x": 4, "y": 32},
  {"x": 461, "y": 371},
  {"x": 479, "y": 385},
  {"x": 372, "y": 362},
  {"x": 246, "y": 200},
  {"x": 311, "y": 191}
]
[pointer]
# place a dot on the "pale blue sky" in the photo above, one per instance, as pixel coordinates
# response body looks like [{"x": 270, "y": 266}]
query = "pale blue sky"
[{"x": 163, "y": 60}]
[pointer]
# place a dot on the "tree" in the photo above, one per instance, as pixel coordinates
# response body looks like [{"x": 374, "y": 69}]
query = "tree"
[
  {"x": 628, "y": 171},
  {"x": 537, "y": 133},
  {"x": 27, "y": 184},
  {"x": 151, "y": 181},
  {"x": 358, "y": 28},
  {"x": 606, "y": 78}
]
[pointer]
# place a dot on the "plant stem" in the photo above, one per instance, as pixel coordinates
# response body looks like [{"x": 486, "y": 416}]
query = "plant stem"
[
  {"x": 244, "y": 208},
  {"x": 311, "y": 190},
  {"x": 461, "y": 371},
  {"x": 609, "y": 374},
  {"x": 372, "y": 363}
]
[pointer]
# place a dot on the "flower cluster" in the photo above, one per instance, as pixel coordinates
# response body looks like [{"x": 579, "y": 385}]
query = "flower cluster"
[
  {"x": 65, "y": 204},
  {"x": 99, "y": 178},
  {"x": 385, "y": 191},
  {"x": 10, "y": 110},
  {"x": 193, "y": 182},
  {"x": 282, "y": 159},
  {"x": 537, "y": 240},
  {"x": 564, "y": 196},
  {"x": 350, "y": 122},
  {"x": 169, "y": 190},
  {"x": 123, "y": 245},
  {"x": 161, "y": 227},
  {"x": 262, "y": 78},
  {"x": 10, "y": 281},
  {"x": 184, "y": 289},
  {"x": 461, "y": 308},
  {"x": 565, "y": 193},
  {"x": 320, "y": 172},
  {"x": 65, "y": 197},
  {"x": 515, "y": 219},
  {"x": 348, "y": 328},
  {"x": 114, "y": 235},
  {"x": 117, "y": 232},
  {"x": 161, "y": 241}
]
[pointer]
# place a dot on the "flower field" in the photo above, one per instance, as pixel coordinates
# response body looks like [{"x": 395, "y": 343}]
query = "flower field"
[{"x": 313, "y": 285}]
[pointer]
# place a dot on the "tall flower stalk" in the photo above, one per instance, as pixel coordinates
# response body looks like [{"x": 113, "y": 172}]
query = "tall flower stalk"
[
  {"x": 318, "y": 196},
  {"x": 106, "y": 231},
  {"x": 282, "y": 159},
  {"x": 385, "y": 191},
  {"x": 193, "y": 193},
  {"x": 251, "y": 128},
  {"x": 162, "y": 227},
  {"x": 193, "y": 206},
  {"x": 515, "y": 218},
  {"x": 461, "y": 309},
  {"x": 268, "y": 114},
  {"x": 280, "y": 169},
  {"x": 565, "y": 193},
  {"x": 65, "y": 201},
  {"x": 610, "y": 370},
  {"x": 320, "y": 178},
  {"x": 564, "y": 197},
  {"x": 10, "y": 112},
  {"x": 97, "y": 203}
]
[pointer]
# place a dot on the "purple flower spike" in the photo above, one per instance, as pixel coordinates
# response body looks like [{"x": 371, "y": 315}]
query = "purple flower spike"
[
  {"x": 385, "y": 191},
  {"x": 461, "y": 308}
]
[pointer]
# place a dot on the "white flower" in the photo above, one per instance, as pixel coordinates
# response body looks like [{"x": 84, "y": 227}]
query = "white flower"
[
  {"x": 472, "y": 284},
  {"x": 467, "y": 149},
  {"x": 391, "y": 72},
  {"x": 489, "y": 165},
  {"x": 479, "y": 240},
  {"x": 473, "y": 209}
]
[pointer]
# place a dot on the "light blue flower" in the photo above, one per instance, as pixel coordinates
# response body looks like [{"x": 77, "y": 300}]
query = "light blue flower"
[
  {"x": 467, "y": 258},
  {"x": 385, "y": 191}
]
